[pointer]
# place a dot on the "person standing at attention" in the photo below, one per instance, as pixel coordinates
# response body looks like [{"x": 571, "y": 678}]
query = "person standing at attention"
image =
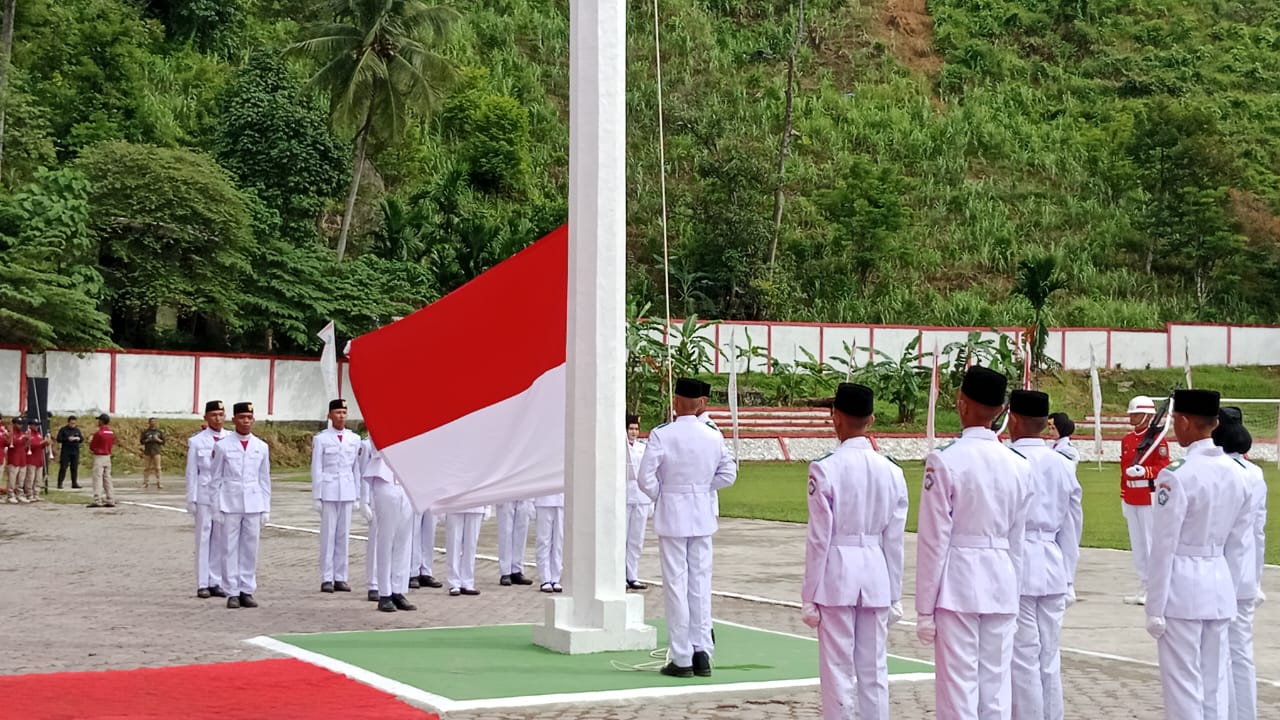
[
  {"x": 152, "y": 442},
  {"x": 69, "y": 441},
  {"x": 100, "y": 444}
]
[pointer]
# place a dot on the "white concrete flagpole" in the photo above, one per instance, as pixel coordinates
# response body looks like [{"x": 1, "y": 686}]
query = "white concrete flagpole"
[{"x": 595, "y": 614}]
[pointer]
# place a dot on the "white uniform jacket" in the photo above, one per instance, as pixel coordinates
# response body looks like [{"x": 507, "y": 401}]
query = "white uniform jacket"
[
  {"x": 1064, "y": 447},
  {"x": 1255, "y": 540},
  {"x": 1054, "y": 521},
  {"x": 241, "y": 475},
  {"x": 199, "y": 461},
  {"x": 973, "y": 515},
  {"x": 335, "y": 465},
  {"x": 684, "y": 463},
  {"x": 1199, "y": 519},
  {"x": 857, "y": 520},
  {"x": 635, "y": 454}
]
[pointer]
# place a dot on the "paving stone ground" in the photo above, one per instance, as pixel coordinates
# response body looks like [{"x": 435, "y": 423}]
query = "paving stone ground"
[{"x": 113, "y": 588}]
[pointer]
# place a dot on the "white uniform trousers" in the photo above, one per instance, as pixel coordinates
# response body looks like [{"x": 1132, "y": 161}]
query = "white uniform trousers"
[
  {"x": 1037, "y": 667},
  {"x": 550, "y": 543},
  {"x": 973, "y": 654},
  {"x": 241, "y": 532},
  {"x": 1139, "y": 519},
  {"x": 1244, "y": 676},
  {"x": 462, "y": 533},
  {"x": 853, "y": 641},
  {"x": 209, "y": 549},
  {"x": 1195, "y": 669},
  {"x": 335, "y": 531},
  {"x": 686, "y": 579},
  {"x": 637, "y": 521},
  {"x": 422, "y": 554},
  {"x": 371, "y": 554},
  {"x": 395, "y": 516},
  {"x": 513, "y": 536}
]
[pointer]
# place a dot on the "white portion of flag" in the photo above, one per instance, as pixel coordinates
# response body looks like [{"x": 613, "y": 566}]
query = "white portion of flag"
[
  {"x": 733, "y": 397},
  {"x": 1096, "y": 388},
  {"x": 329, "y": 362}
]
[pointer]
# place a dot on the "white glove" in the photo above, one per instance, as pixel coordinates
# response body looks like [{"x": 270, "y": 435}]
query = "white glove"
[
  {"x": 1155, "y": 627},
  {"x": 1136, "y": 472},
  {"x": 317, "y": 505},
  {"x": 1260, "y": 598},
  {"x": 264, "y": 518},
  {"x": 895, "y": 613},
  {"x": 191, "y": 508},
  {"x": 1071, "y": 595},
  {"x": 926, "y": 631},
  {"x": 367, "y": 512},
  {"x": 811, "y": 615}
]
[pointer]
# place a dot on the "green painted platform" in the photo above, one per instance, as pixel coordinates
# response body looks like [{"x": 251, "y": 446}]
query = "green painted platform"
[{"x": 472, "y": 665}]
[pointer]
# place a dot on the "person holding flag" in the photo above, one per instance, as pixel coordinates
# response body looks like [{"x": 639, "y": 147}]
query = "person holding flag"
[
  {"x": 639, "y": 506},
  {"x": 1137, "y": 483},
  {"x": 513, "y": 538},
  {"x": 335, "y": 477},
  {"x": 390, "y": 506}
]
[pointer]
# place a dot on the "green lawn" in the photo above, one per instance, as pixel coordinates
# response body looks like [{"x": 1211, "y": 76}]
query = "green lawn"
[{"x": 776, "y": 491}]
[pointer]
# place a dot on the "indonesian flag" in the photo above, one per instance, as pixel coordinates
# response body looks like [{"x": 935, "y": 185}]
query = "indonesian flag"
[{"x": 466, "y": 397}]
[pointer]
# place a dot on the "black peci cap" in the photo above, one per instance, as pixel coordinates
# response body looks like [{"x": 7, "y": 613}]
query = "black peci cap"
[
  {"x": 1203, "y": 403},
  {"x": 1029, "y": 403},
  {"x": 984, "y": 385},
  {"x": 854, "y": 399}
]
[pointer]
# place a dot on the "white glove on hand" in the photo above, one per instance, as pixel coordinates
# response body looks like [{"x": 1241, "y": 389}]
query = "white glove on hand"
[
  {"x": 1136, "y": 472},
  {"x": 895, "y": 613},
  {"x": 317, "y": 505},
  {"x": 367, "y": 512},
  {"x": 191, "y": 508},
  {"x": 811, "y": 615},
  {"x": 926, "y": 631},
  {"x": 1260, "y": 598},
  {"x": 1155, "y": 627},
  {"x": 264, "y": 518},
  {"x": 1071, "y": 595}
]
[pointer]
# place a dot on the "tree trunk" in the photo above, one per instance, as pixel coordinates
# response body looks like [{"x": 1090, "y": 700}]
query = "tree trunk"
[
  {"x": 6, "y": 53},
  {"x": 785, "y": 146},
  {"x": 357, "y": 170}
]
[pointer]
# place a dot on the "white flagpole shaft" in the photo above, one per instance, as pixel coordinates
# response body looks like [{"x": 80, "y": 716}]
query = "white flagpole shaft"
[{"x": 733, "y": 396}]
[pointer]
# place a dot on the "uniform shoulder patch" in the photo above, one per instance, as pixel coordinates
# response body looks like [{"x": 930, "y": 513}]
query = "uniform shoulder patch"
[
  {"x": 1162, "y": 494},
  {"x": 1163, "y": 451},
  {"x": 661, "y": 426},
  {"x": 713, "y": 426},
  {"x": 1015, "y": 452},
  {"x": 1175, "y": 465},
  {"x": 946, "y": 445},
  {"x": 824, "y": 457},
  {"x": 890, "y": 459},
  {"x": 1237, "y": 461}
]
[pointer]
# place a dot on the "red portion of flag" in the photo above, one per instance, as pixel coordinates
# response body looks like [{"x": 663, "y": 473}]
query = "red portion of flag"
[{"x": 481, "y": 344}]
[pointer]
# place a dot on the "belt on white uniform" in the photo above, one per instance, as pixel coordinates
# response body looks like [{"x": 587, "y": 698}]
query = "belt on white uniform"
[
  {"x": 1043, "y": 535},
  {"x": 980, "y": 541},
  {"x": 1143, "y": 483},
  {"x": 683, "y": 489},
  {"x": 1186, "y": 550},
  {"x": 856, "y": 540}
]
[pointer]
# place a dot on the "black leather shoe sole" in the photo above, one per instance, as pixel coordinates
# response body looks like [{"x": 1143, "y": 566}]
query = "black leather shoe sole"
[
  {"x": 671, "y": 670},
  {"x": 470, "y": 591}
]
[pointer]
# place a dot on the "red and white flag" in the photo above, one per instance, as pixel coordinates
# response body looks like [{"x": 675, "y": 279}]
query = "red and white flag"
[{"x": 466, "y": 397}]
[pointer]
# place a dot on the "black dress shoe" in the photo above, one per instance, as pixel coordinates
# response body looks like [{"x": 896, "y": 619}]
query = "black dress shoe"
[
  {"x": 202, "y": 593},
  {"x": 373, "y": 596},
  {"x": 520, "y": 579},
  {"x": 247, "y": 601},
  {"x": 401, "y": 602},
  {"x": 233, "y": 602},
  {"x": 636, "y": 585},
  {"x": 505, "y": 581},
  {"x": 470, "y": 591},
  {"x": 340, "y": 586},
  {"x": 326, "y": 587},
  {"x": 414, "y": 582},
  {"x": 701, "y": 663},
  {"x": 385, "y": 604},
  {"x": 75, "y": 487},
  {"x": 428, "y": 581},
  {"x": 673, "y": 670},
  {"x": 217, "y": 591}
]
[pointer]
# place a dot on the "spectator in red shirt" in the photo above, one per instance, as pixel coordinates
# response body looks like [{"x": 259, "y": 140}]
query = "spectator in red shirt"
[
  {"x": 38, "y": 445},
  {"x": 16, "y": 457},
  {"x": 100, "y": 445},
  {"x": 4, "y": 457},
  {"x": 1136, "y": 482}
]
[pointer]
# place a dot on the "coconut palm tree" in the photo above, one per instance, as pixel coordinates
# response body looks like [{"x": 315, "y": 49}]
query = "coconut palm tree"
[{"x": 378, "y": 64}]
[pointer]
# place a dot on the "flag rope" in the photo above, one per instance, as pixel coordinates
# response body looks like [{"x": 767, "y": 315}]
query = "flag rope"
[{"x": 662, "y": 184}]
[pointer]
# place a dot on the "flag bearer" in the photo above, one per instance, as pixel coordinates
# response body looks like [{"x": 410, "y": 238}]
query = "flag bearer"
[
  {"x": 462, "y": 532},
  {"x": 513, "y": 538},
  {"x": 394, "y": 516}
]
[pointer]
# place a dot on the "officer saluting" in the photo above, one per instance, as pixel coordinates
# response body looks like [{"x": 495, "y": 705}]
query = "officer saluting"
[
  {"x": 684, "y": 463},
  {"x": 852, "y": 587},
  {"x": 1201, "y": 514},
  {"x": 973, "y": 515},
  {"x": 241, "y": 487},
  {"x": 335, "y": 477}
]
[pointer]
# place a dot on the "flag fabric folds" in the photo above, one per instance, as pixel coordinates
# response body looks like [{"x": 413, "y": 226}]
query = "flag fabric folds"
[{"x": 466, "y": 397}]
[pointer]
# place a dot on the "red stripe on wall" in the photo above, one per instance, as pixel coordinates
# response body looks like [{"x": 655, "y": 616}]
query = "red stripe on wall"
[{"x": 112, "y": 408}]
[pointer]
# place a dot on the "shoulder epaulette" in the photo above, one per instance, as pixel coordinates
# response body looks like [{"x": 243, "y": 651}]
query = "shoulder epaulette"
[
  {"x": 1015, "y": 452},
  {"x": 1064, "y": 455},
  {"x": 890, "y": 459},
  {"x": 661, "y": 426},
  {"x": 713, "y": 426},
  {"x": 945, "y": 445},
  {"x": 1237, "y": 461},
  {"x": 824, "y": 457},
  {"x": 1175, "y": 465}
]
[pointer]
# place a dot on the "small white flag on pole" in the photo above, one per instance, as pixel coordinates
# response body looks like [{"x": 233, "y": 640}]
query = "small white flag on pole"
[
  {"x": 1186, "y": 361},
  {"x": 1096, "y": 387},
  {"x": 733, "y": 397},
  {"x": 329, "y": 362},
  {"x": 931, "y": 434}
]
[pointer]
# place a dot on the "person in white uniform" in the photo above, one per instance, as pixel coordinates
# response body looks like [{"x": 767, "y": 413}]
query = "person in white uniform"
[
  {"x": 549, "y": 541},
  {"x": 462, "y": 533},
  {"x": 852, "y": 590},
  {"x": 371, "y": 520},
  {"x": 639, "y": 506},
  {"x": 1050, "y": 554},
  {"x": 1063, "y": 427},
  {"x": 241, "y": 488},
  {"x": 394, "y": 512},
  {"x": 684, "y": 465},
  {"x": 973, "y": 515},
  {"x": 200, "y": 502},
  {"x": 423, "y": 552},
  {"x": 335, "y": 477},
  {"x": 704, "y": 415},
  {"x": 513, "y": 539},
  {"x": 1235, "y": 440},
  {"x": 1202, "y": 514}
]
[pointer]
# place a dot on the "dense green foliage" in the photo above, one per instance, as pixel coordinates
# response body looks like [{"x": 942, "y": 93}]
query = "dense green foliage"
[{"x": 171, "y": 178}]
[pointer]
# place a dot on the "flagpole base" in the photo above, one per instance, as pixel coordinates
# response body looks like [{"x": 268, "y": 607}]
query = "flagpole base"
[{"x": 611, "y": 624}]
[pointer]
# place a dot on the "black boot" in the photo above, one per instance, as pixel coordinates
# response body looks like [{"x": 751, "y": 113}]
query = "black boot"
[
  {"x": 385, "y": 604},
  {"x": 401, "y": 602}
]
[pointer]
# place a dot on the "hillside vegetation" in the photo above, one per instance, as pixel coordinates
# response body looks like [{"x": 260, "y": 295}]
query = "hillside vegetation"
[{"x": 172, "y": 180}]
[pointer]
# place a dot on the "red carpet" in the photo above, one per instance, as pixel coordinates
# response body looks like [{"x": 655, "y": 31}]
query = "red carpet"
[{"x": 276, "y": 689}]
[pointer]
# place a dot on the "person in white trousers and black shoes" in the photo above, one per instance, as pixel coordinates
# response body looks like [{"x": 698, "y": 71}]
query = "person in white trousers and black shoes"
[
  {"x": 423, "y": 552},
  {"x": 1201, "y": 514},
  {"x": 200, "y": 502},
  {"x": 241, "y": 469},
  {"x": 371, "y": 520},
  {"x": 973, "y": 515},
  {"x": 549, "y": 541},
  {"x": 684, "y": 465},
  {"x": 394, "y": 515},
  {"x": 639, "y": 506},
  {"x": 1236, "y": 441},
  {"x": 462, "y": 533},
  {"x": 335, "y": 489},
  {"x": 852, "y": 590},
  {"x": 513, "y": 539},
  {"x": 1050, "y": 554}
]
